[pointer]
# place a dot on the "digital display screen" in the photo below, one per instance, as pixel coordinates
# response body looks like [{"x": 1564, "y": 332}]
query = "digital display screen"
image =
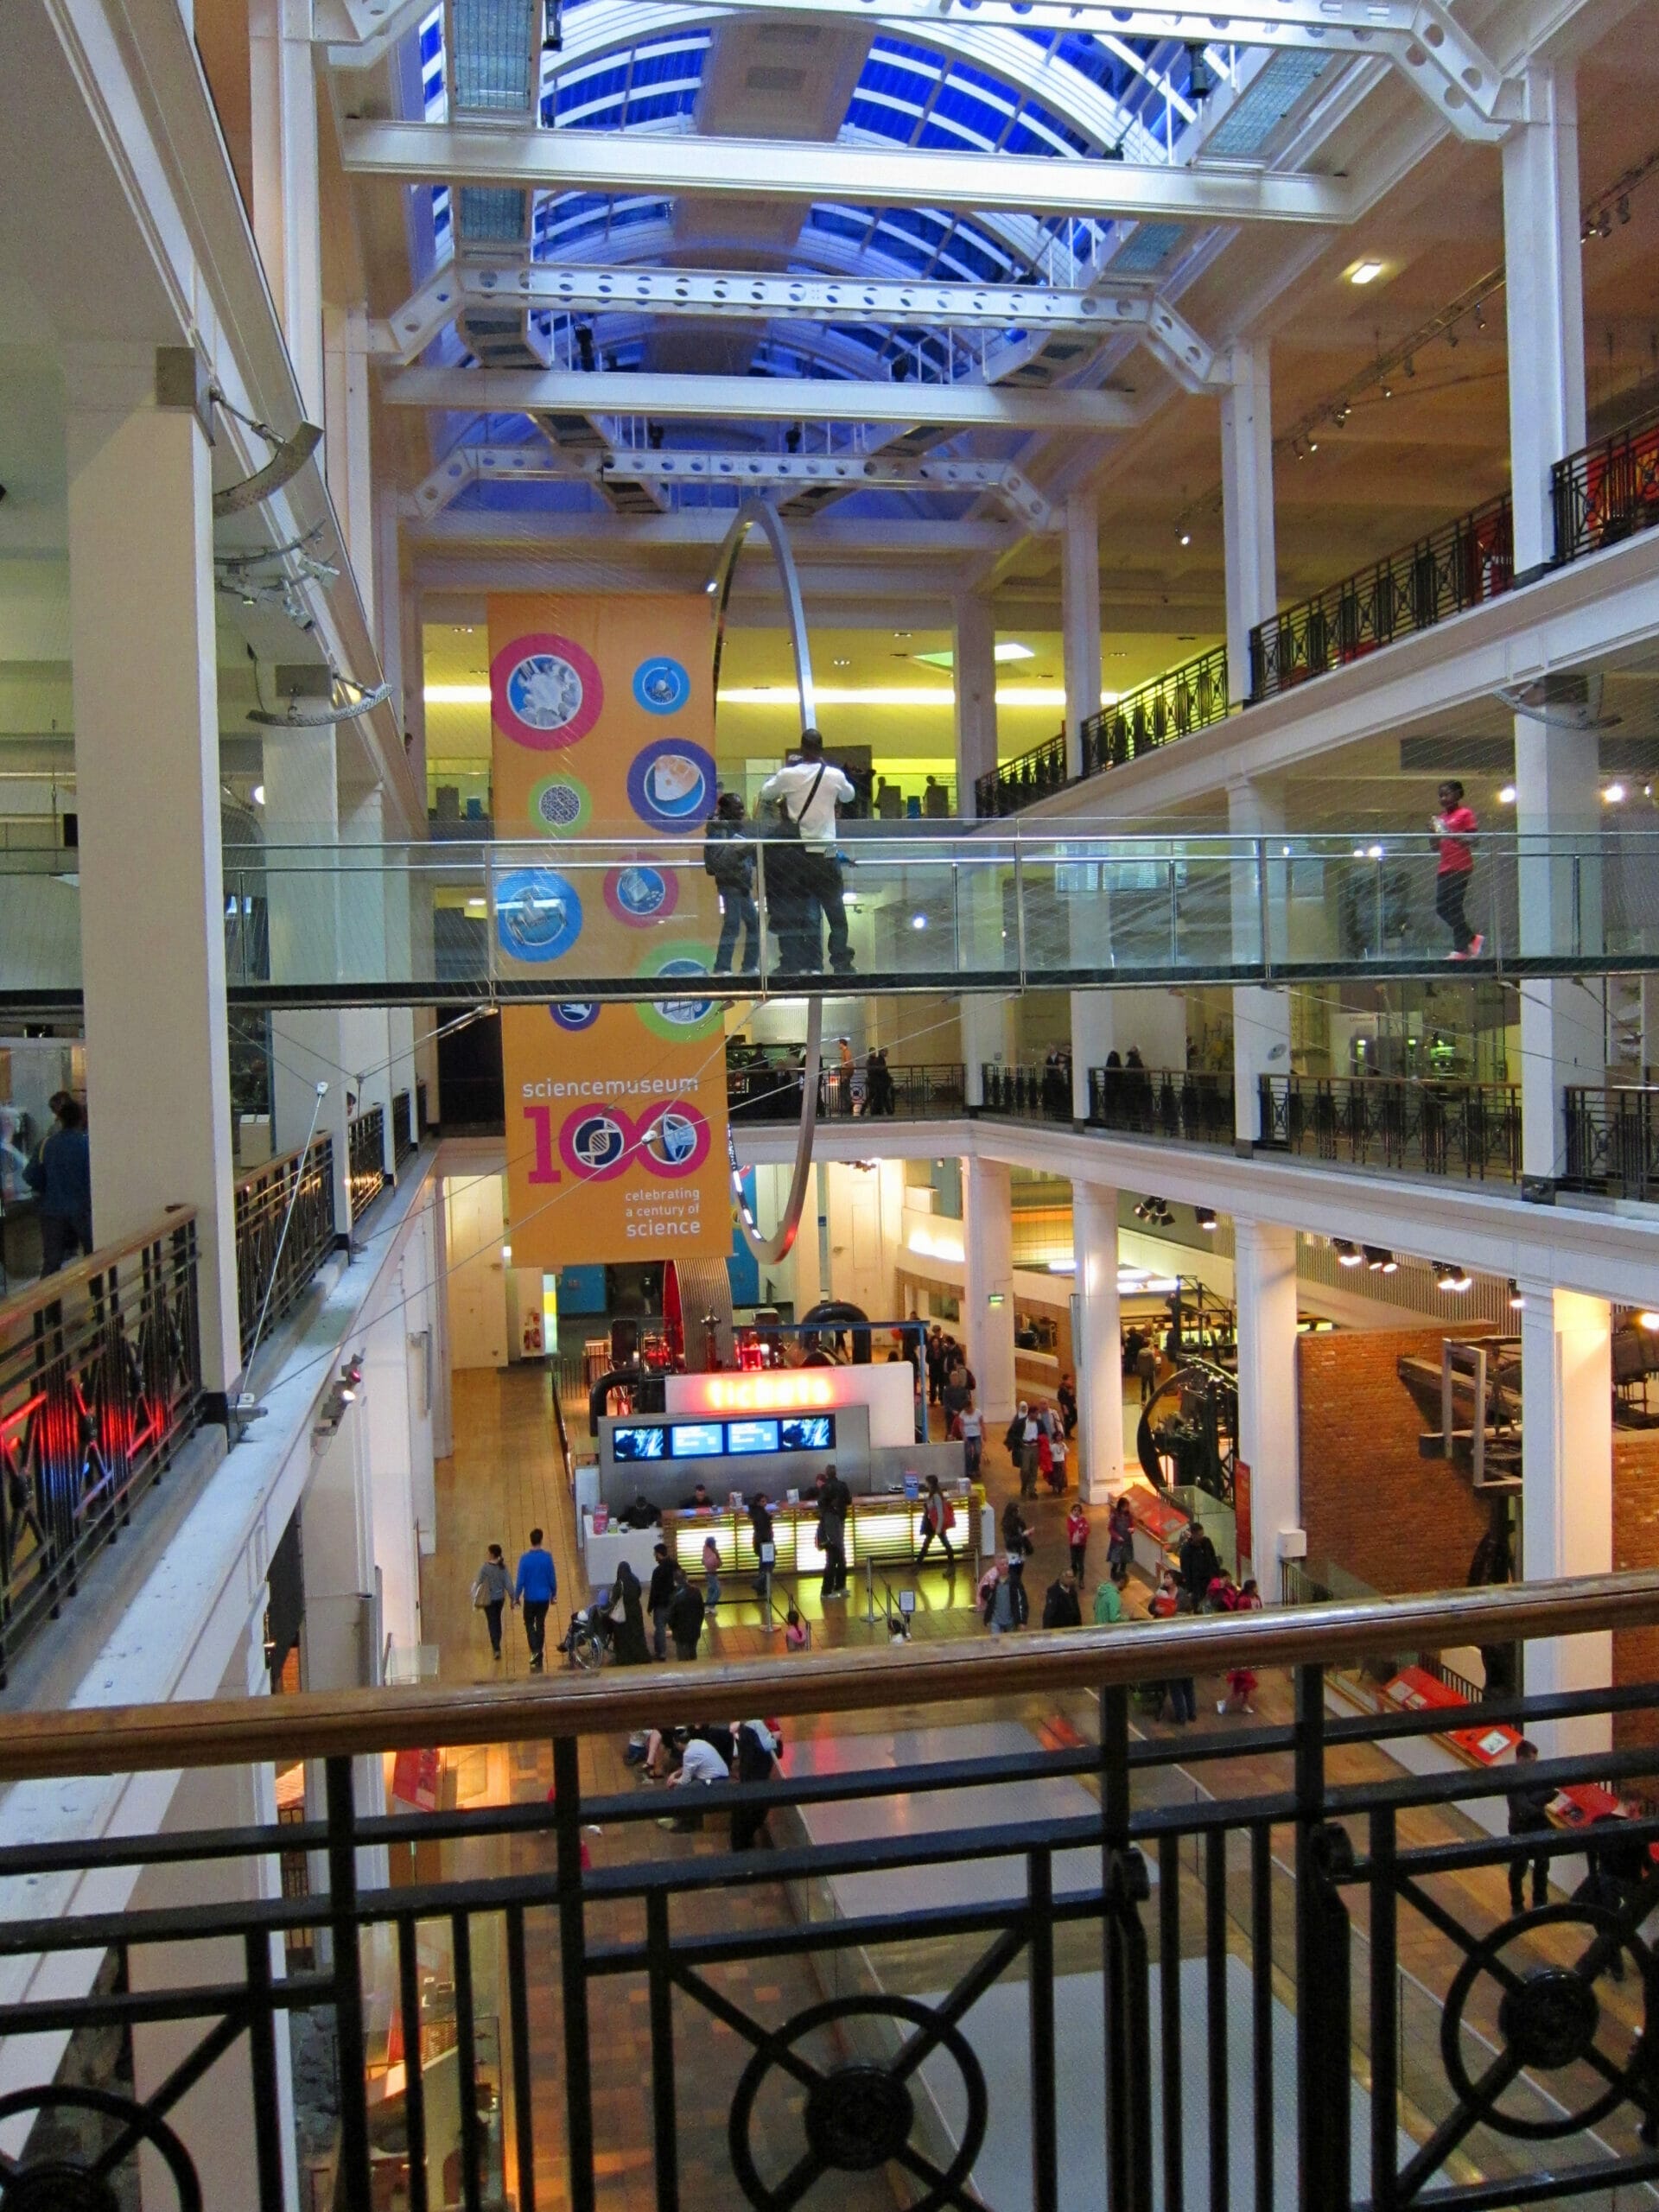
[
  {"x": 751, "y": 1436},
  {"x": 639, "y": 1443},
  {"x": 807, "y": 1432},
  {"x": 696, "y": 1440}
]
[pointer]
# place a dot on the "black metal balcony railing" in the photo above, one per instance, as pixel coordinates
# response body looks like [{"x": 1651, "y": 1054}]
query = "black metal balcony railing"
[
  {"x": 270, "y": 1264},
  {"x": 1608, "y": 491},
  {"x": 1187, "y": 698},
  {"x": 771, "y": 1091},
  {"x": 1463, "y": 565},
  {"x": 1021, "y": 1088},
  {"x": 403, "y": 1138},
  {"x": 366, "y": 1175},
  {"x": 423, "y": 1121},
  {"x": 100, "y": 1383},
  {"x": 1019, "y": 782},
  {"x": 745, "y": 2023},
  {"x": 1612, "y": 1139},
  {"x": 1183, "y": 1104},
  {"x": 1472, "y": 1129}
]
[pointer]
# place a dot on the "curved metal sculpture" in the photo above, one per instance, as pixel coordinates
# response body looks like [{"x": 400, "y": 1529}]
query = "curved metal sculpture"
[
  {"x": 1203, "y": 1430},
  {"x": 754, "y": 513}
]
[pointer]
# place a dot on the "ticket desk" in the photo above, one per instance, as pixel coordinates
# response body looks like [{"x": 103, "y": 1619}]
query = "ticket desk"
[{"x": 883, "y": 1531}]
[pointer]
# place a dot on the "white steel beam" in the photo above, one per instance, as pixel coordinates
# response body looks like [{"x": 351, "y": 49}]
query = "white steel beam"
[
  {"x": 757, "y": 399},
  {"x": 720, "y": 294},
  {"x": 623, "y": 161},
  {"x": 849, "y": 472},
  {"x": 867, "y": 535}
]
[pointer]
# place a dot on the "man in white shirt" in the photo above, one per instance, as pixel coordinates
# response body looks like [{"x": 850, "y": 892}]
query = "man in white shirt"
[{"x": 808, "y": 790}]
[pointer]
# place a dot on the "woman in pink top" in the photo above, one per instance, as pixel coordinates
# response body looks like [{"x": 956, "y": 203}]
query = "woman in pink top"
[{"x": 1454, "y": 825}]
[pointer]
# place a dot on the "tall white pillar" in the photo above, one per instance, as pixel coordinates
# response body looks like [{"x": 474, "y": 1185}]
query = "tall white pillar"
[
  {"x": 373, "y": 885},
  {"x": 287, "y": 219},
  {"x": 1544, "y": 301},
  {"x": 1260, "y": 1014},
  {"x": 1247, "y": 508},
  {"x": 1563, "y": 1021},
  {"x": 988, "y": 1314},
  {"x": 337, "y": 1546},
  {"x": 387, "y": 1407},
  {"x": 1264, "y": 1273},
  {"x": 346, "y": 445},
  {"x": 1567, "y": 1487},
  {"x": 988, "y": 1027},
  {"x": 1080, "y": 619},
  {"x": 974, "y": 657},
  {"x": 152, "y": 884},
  {"x": 1098, "y": 1346},
  {"x": 1092, "y": 1037},
  {"x": 1089, "y": 928}
]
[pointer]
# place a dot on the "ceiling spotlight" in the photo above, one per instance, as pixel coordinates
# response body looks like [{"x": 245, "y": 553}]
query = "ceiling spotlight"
[
  {"x": 1452, "y": 338},
  {"x": 1296, "y": 447},
  {"x": 918, "y": 921},
  {"x": 1201, "y": 79},
  {"x": 1411, "y": 366},
  {"x": 1649, "y": 1321},
  {"x": 1624, "y": 207},
  {"x": 1388, "y": 391},
  {"x": 1517, "y": 1300},
  {"x": 1348, "y": 1255},
  {"x": 1452, "y": 1280},
  {"x": 1480, "y": 315},
  {"x": 258, "y": 794},
  {"x": 1205, "y": 1218},
  {"x": 1312, "y": 445},
  {"x": 1614, "y": 795},
  {"x": 288, "y": 456},
  {"x": 1380, "y": 1260},
  {"x": 1506, "y": 797},
  {"x": 1365, "y": 272},
  {"x": 1186, "y": 537}
]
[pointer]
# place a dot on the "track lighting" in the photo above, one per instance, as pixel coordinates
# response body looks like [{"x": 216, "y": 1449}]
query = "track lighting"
[
  {"x": 1205, "y": 1218},
  {"x": 288, "y": 456},
  {"x": 1348, "y": 1255},
  {"x": 1518, "y": 1301},
  {"x": 1380, "y": 1260},
  {"x": 1453, "y": 1281},
  {"x": 1200, "y": 77},
  {"x": 347, "y": 701}
]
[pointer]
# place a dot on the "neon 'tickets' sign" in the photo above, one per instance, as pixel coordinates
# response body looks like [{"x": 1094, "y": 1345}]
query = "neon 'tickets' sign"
[{"x": 773, "y": 1393}]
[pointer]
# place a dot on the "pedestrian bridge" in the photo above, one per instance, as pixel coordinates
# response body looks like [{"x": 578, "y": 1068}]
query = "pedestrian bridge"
[{"x": 957, "y": 907}]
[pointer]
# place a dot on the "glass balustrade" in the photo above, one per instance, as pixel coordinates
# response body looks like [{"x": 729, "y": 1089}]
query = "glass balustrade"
[{"x": 993, "y": 907}]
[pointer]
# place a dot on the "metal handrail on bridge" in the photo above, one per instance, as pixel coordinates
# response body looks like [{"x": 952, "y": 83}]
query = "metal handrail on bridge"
[{"x": 273, "y": 1270}]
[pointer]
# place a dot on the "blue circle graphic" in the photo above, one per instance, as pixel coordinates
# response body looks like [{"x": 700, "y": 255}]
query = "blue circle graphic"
[
  {"x": 682, "y": 1012},
  {"x": 575, "y": 1013},
  {"x": 661, "y": 685},
  {"x": 671, "y": 785},
  {"x": 537, "y": 914}
]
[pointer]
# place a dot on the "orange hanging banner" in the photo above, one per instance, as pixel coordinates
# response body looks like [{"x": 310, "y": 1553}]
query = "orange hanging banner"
[{"x": 616, "y": 1114}]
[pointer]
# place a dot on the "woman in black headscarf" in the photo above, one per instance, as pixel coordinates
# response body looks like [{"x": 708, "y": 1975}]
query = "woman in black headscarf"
[{"x": 628, "y": 1629}]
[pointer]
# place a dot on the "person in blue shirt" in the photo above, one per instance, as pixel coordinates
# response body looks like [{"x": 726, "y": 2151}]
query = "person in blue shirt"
[
  {"x": 536, "y": 1588},
  {"x": 60, "y": 1174}
]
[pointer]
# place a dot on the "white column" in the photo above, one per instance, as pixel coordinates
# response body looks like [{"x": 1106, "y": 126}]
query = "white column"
[
  {"x": 152, "y": 887},
  {"x": 337, "y": 1546},
  {"x": 372, "y": 890},
  {"x": 1544, "y": 296},
  {"x": 302, "y": 811},
  {"x": 1563, "y": 1024},
  {"x": 1264, "y": 1273},
  {"x": 1098, "y": 1347},
  {"x": 287, "y": 222},
  {"x": 985, "y": 1026},
  {"x": 346, "y": 446},
  {"x": 1247, "y": 508},
  {"x": 974, "y": 656},
  {"x": 988, "y": 1234},
  {"x": 386, "y": 1404},
  {"x": 1260, "y": 1014},
  {"x": 1092, "y": 1037},
  {"x": 1080, "y": 619},
  {"x": 1566, "y": 1495}
]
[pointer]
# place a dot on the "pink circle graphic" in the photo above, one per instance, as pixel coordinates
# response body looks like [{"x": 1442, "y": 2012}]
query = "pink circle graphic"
[
  {"x": 598, "y": 1141},
  {"x": 641, "y": 894},
  {"x": 546, "y": 692}
]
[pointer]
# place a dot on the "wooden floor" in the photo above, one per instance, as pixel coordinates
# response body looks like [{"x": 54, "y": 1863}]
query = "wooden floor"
[{"x": 505, "y": 1477}]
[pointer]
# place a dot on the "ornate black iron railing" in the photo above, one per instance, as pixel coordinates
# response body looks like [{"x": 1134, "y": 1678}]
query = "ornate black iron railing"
[
  {"x": 1613, "y": 1138},
  {"x": 1472, "y": 1129},
  {"x": 101, "y": 1384},
  {"x": 1464, "y": 564},
  {"x": 1608, "y": 491},
  {"x": 1192, "y": 1105},
  {"x": 423, "y": 1121},
  {"x": 1188, "y": 698},
  {"x": 1030, "y": 776},
  {"x": 367, "y": 1173},
  {"x": 267, "y": 1262},
  {"x": 1324, "y": 2001},
  {"x": 770, "y": 1090},
  {"x": 1023, "y": 1089},
  {"x": 403, "y": 1138}
]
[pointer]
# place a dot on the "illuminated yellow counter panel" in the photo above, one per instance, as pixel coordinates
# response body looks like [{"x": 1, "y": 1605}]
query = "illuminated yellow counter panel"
[{"x": 884, "y": 1530}]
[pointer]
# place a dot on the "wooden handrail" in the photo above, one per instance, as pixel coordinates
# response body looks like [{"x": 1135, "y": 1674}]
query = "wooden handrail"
[
  {"x": 52, "y": 1288},
  {"x": 279, "y": 1159},
  {"x": 226, "y": 1731}
]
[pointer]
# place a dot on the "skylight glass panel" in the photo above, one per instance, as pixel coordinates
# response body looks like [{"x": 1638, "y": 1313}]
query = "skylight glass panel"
[
  {"x": 490, "y": 216},
  {"x": 1259, "y": 111},
  {"x": 492, "y": 50}
]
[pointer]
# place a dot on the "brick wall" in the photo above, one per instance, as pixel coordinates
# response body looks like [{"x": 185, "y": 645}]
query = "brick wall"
[
  {"x": 1370, "y": 1504},
  {"x": 1635, "y": 1543}
]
